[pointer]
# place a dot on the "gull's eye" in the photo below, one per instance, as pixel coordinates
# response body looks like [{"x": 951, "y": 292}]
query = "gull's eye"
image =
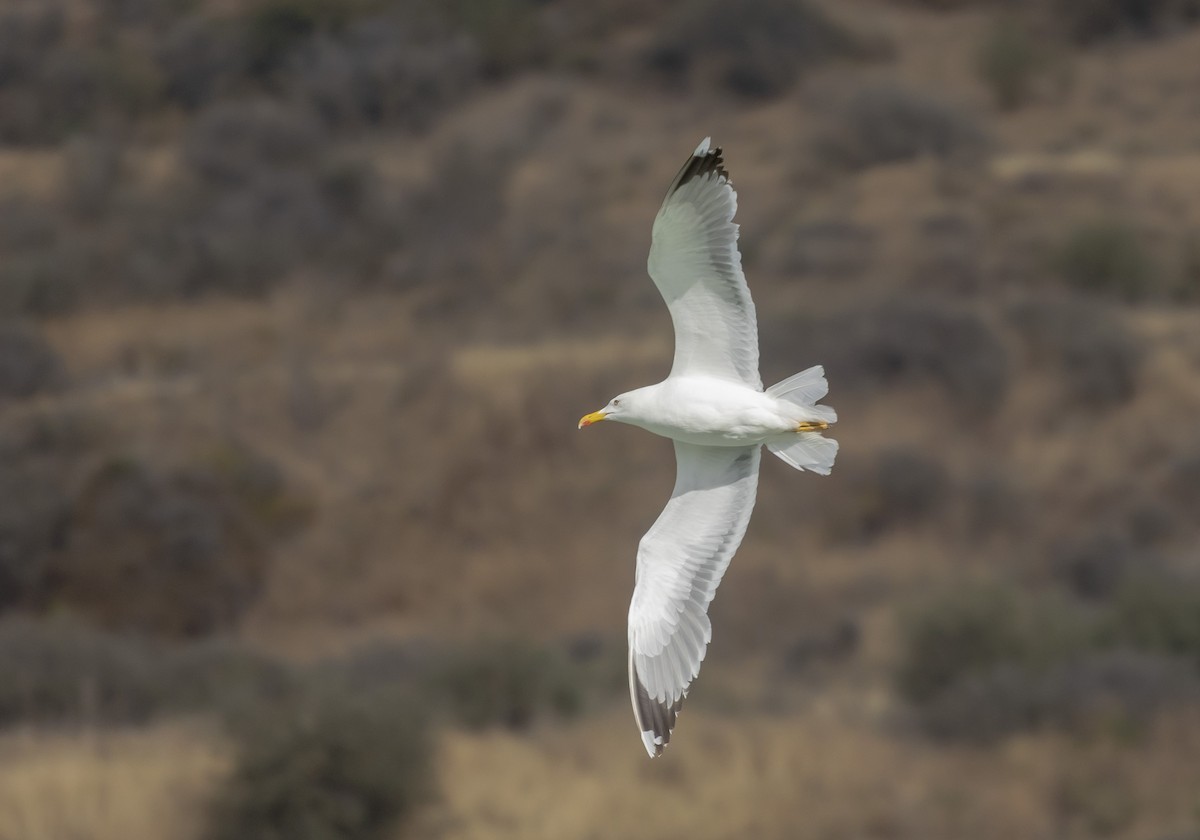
[{"x": 616, "y": 403}]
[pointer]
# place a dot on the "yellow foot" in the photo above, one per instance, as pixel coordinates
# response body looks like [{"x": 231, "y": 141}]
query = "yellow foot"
[{"x": 812, "y": 426}]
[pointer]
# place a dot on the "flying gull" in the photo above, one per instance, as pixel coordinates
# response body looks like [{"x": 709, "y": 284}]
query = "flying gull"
[{"x": 714, "y": 408}]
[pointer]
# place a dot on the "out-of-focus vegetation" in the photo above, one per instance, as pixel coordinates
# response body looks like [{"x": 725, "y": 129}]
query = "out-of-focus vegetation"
[{"x": 300, "y": 301}]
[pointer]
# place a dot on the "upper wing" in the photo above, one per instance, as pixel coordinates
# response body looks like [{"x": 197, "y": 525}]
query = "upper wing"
[
  {"x": 695, "y": 263},
  {"x": 680, "y": 563}
]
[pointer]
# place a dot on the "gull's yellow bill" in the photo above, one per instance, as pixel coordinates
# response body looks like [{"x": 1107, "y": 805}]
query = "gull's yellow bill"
[{"x": 589, "y": 419}]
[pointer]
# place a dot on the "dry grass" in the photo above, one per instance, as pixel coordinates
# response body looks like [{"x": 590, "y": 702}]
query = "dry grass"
[
  {"x": 147, "y": 784},
  {"x": 822, "y": 773},
  {"x": 834, "y": 768}
]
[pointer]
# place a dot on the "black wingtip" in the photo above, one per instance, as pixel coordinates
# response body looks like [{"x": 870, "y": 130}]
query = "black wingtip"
[
  {"x": 655, "y": 719},
  {"x": 707, "y": 159}
]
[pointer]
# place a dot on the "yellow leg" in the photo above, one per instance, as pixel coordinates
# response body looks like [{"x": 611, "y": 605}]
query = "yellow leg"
[{"x": 812, "y": 426}]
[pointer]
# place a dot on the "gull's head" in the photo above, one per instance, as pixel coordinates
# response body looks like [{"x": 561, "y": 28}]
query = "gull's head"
[{"x": 617, "y": 409}]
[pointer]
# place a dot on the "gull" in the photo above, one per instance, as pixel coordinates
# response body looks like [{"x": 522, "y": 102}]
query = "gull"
[{"x": 714, "y": 408}]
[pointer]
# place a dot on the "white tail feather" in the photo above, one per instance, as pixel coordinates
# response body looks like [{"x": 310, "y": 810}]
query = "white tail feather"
[
  {"x": 804, "y": 388},
  {"x": 806, "y": 451}
]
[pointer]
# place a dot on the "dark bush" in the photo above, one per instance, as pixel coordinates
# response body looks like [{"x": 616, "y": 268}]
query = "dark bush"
[
  {"x": 508, "y": 34},
  {"x": 506, "y": 683},
  {"x": 1089, "y": 21},
  {"x": 1098, "y": 566},
  {"x": 31, "y": 37},
  {"x": 274, "y": 29},
  {"x": 830, "y": 249},
  {"x": 33, "y": 511},
  {"x": 1097, "y": 357},
  {"x": 223, "y": 677},
  {"x": 243, "y": 239},
  {"x": 900, "y": 488},
  {"x": 40, "y": 452},
  {"x": 886, "y": 123},
  {"x": 177, "y": 553},
  {"x": 28, "y": 364},
  {"x": 384, "y": 71},
  {"x": 757, "y": 49},
  {"x": 27, "y": 32},
  {"x": 230, "y": 143},
  {"x": 92, "y": 170},
  {"x": 1107, "y": 693},
  {"x": 58, "y": 672},
  {"x": 955, "y": 634},
  {"x": 200, "y": 59},
  {"x": 381, "y": 666},
  {"x": 1157, "y": 613},
  {"x": 908, "y": 341},
  {"x": 1108, "y": 257},
  {"x": 994, "y": 506},
  {"x": 1009, "y": 61},
  {"x": 338, "y": 767},
  {"x": 1182, "y": 481}
]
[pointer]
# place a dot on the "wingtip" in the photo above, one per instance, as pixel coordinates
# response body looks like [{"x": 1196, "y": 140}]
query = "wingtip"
[
  {"x": 653, "y": 743},
  {"x": 655, "y": 719},
  {"x": 707, "y": 159}
]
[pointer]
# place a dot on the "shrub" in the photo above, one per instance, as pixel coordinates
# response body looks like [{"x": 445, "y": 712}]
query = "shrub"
[
  {"x": 508, "y": 33},
  {"x": 1107, "y": 256},
  {"x": 200, "y": 59},
  {"x": 178, "y": 553},
  {"x": 994, "y": 506},
  {"x": 1009, "y": 61},
  {"x": 333, "y": 768},
  {"x": 955, "y": 634},
  {"x": 231, "y": 142},
  {"x": 504, "y": 683},
  {"x": 911, "y": 340},
  {"x": 1097, "y": 357},
  {"x": 258, "y": 488},
  {"x": 384, "y": 71},
  {"x": 92, "y": 170},
  {"x": 1098, "y": 566},
  {"x": 222, "y": 676},
  {"x": 33, "y": 508},
  {"x": 1157, "y": 614},
  {"x": 1088, "y": 21},
  {"x": 886, "y": 123},
  {"x": 277, "y": 27},
  {"x": 1182, "y": 481},
  {"x": 59, "y": 671},
  {"x": 31, "y": 37},
  {"x": 39, "y": 451},
  {"x": 831, "y": 249},
  {"x": 901, "y": 488},
  {"x": 1105, "y": 693},
  {"x": 756, "y": 49},
  {"x": 28, "y": 364}
]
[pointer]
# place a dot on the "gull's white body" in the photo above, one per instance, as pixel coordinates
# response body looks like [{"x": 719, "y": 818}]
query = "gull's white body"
[
  {"x": 714, "y": 408},
  {"x": 713, "y": 412}
]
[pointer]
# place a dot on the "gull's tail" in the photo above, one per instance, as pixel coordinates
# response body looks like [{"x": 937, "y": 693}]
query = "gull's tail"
[{"x": 806, "y": 449}]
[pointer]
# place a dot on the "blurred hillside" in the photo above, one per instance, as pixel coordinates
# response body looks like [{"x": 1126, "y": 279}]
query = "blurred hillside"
[{"x": 300, "y": 301}]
